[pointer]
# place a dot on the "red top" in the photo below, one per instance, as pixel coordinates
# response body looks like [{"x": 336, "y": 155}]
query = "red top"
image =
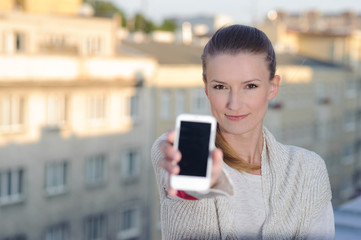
[{"x": 185, "y": 196}]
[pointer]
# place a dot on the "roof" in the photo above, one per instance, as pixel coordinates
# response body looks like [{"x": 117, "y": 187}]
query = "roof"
[
  {"x": 295, "y": 59},
  {"x": 165, "y": 53}
]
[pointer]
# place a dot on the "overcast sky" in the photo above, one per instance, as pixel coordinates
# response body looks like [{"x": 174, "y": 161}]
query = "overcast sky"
[{"x": 242, "y": 11}]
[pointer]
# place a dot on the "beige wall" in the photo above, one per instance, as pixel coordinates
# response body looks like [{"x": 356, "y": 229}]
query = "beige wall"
[
  {"x": 32, "y": 77},
  {"x": 6, "y": 5},
  {"x": 66, "y": 7},
  {"x": 71, "y": 36}
]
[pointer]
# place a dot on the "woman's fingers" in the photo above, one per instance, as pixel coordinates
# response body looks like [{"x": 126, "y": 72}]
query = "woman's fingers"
[
  {"x": 170, "y": 136},
  {"x": 217, "y": 156},
  {"x": 171, "y": 158},
  {"x": 172, "y": 192}
]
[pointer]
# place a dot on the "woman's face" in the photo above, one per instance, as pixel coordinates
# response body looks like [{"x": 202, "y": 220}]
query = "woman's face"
[{"x": 238, "y": 89}]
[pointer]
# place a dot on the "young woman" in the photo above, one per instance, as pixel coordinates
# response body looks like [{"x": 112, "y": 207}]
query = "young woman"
[{"x": 260, "y": 188}]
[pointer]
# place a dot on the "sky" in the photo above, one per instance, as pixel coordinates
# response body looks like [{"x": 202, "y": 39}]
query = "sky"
[{"x": 242, "y": 11}]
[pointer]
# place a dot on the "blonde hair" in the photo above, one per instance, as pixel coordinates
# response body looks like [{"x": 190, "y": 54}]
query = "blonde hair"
[{"x": 230, "y": 157}]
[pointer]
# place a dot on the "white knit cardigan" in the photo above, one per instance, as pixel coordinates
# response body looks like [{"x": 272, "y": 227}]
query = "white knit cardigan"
[{"x": 295, "y": 187}]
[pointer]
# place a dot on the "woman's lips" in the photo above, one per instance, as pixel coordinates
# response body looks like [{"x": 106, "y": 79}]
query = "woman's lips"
[{"x": 236, "y": 117}]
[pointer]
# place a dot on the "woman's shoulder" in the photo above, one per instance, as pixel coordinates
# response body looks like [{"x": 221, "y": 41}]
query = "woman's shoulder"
[{"x": 294, "y": 154}]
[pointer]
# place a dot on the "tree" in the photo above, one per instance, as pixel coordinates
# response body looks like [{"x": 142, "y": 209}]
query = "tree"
[
  {"x": 107, "y": 9},
  {"x": 140, "y": 23},
  {"x": 168, "y": 25}
]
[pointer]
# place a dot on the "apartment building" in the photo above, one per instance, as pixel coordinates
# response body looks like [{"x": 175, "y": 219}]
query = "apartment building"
[
  {"x": 337, "y": 41},
  {"x": 317, "y": 21},
  {"x": 177, "y": 88},
  {"x": 336, "y": 87},
  {"x": 74, "y": 131},
  {"x": 317, "y": 108}
]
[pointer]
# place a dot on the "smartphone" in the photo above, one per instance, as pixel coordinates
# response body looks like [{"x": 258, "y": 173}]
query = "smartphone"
[{"x": 194, "y": 138}]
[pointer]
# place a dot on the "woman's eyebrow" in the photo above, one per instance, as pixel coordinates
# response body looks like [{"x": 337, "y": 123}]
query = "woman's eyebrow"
[
  {"x": 252, "y": 80},
  {"x": 217, "y": 81},
  {"x": 245, "y": 82}
]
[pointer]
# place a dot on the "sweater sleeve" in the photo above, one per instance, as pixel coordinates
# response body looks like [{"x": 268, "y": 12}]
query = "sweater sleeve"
[
  {"x": 160, "y": 174},
  {"x": 323, "y": 225}
]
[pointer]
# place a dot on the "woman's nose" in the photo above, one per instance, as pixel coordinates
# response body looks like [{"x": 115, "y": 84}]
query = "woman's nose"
[{"x": 234, "y": 100}]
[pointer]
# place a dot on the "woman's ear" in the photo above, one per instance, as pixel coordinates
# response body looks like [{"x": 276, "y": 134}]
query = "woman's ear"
[{"x": 275, "y": 83}]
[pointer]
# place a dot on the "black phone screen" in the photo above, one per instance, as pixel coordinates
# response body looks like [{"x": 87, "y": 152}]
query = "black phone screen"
[{"x": 194, "y": 147}]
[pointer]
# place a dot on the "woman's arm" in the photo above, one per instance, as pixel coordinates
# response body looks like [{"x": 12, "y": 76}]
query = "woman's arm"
[{"x": 322, "y": 226}]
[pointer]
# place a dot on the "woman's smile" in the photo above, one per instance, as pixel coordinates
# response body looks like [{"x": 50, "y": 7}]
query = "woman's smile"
[{"x": 236, "y": 117}]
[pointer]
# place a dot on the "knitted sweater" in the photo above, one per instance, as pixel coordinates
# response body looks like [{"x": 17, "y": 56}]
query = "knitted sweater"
[{"x": 295, "y": 187}]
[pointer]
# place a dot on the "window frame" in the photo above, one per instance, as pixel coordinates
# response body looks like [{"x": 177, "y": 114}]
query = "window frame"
[
  {"x": 14, "y": 105},
  {"x": 96, "y": 177},
  {"x": 131, "y": 231},
  {"x": 95, "y": 219},
  {"x": 125, "y": 160},
  {"x": 12, "y": 180},
  {"x": 56, "y": 169}
]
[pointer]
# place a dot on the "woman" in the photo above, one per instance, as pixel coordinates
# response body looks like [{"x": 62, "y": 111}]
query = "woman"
[{"x": 264, "y": 189}]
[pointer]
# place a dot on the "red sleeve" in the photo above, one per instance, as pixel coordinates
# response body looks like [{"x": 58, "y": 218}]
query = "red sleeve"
[{"x": 185, "y": 196}]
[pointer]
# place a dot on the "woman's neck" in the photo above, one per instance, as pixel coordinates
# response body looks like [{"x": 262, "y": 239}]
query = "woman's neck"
[{"x": 248, "y": 146}]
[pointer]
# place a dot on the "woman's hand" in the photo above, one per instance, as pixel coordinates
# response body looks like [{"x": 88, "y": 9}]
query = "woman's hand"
[{"x": 172, "y": 157}]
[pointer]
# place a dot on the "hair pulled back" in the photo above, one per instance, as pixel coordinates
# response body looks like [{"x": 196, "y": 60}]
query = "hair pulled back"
[{"x": 232, "y": 40}]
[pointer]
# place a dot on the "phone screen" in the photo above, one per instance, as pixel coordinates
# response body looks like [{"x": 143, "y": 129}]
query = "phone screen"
[{"x": 194, "y": 147}]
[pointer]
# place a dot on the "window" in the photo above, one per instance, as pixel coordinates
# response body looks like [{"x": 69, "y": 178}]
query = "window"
[
  {"x": 350, "y": 122},
  {"x": 134, "y": 107},
  {"x": 57, "y": 232},
  {"x": 93, "y": 45},
  {"x": 11, "y": 186},
  {"x": 165, "y": 105},
  {"x": 56, "y": 174},
  {"x": 351, "y": 91},
  {"x": 95, "y": 227},
  {"x": 199, "y": 101},
  {"x": 129, "y": 223},
  {"x": 14, "y": 42},
  {"x": 12, "y": 113},
  {"x": 130, "y": 164},
  {"x": 19, "y": 42},
  {"x": 96, "y": 169},
  {"x": 96, "y": 110},
  {"x": 348, "y": 155},
  {"x": 57, "y": 110},
  {"x": 320, "y": 92},
  {"x": 180, "y": 102}
]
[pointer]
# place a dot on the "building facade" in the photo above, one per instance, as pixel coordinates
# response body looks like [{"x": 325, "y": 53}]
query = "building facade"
[
  {"x": 177, "y": 88},
  {"x": 74, "y": 140}
]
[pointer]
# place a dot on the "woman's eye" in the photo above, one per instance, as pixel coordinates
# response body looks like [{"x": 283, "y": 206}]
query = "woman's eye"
[
  {"x": 251, "y": 85},
  {"x": 219, "y": 86}
]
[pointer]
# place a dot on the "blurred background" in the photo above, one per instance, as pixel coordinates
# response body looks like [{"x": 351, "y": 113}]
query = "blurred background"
[{"x": 87, "y": 86}]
